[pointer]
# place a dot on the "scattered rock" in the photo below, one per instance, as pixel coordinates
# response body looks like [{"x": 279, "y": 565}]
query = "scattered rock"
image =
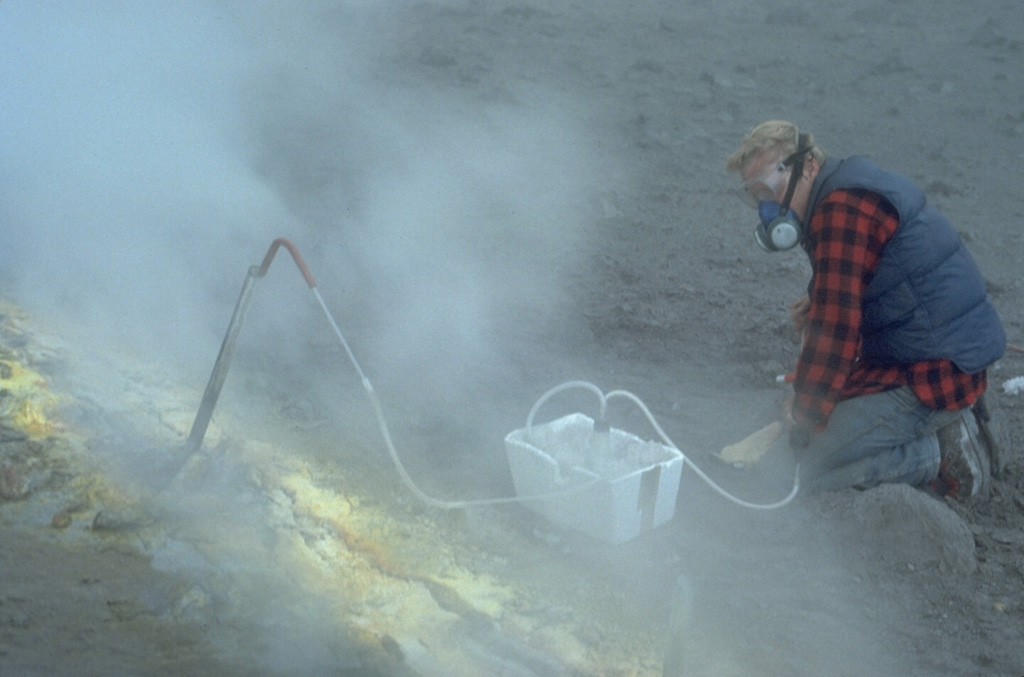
[
  {"x": 61, "y": 520},
  {"x": 12, "y": 485},
  {"x": 119, "y": 521},
  {"x": 392, "y": 647}
]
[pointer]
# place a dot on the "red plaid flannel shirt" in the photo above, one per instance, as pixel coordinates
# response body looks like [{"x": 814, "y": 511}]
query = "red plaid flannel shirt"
[{"x": 846, "y": 236}]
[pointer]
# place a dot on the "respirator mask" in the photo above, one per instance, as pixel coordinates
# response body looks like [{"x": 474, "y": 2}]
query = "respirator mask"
[{"x": 778, "y": 227}]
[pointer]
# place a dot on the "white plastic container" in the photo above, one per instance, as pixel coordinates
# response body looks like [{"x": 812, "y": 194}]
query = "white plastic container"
[{"x": 612, "y": 488}]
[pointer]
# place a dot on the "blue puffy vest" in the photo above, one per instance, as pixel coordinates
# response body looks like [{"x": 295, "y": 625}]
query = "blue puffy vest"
[{"x": 927, "y": 299}]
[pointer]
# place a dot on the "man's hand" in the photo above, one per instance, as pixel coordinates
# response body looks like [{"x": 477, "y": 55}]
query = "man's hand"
[{"x": 798, "y": 314}]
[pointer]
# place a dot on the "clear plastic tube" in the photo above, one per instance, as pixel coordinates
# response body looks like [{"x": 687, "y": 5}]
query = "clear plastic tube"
[{"x": 599, "y": 431}]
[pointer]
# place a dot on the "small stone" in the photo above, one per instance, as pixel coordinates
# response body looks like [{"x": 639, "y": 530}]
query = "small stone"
[
  {"x": 61, "y": 520},
  {"x": 12, "y": 485},
  {"x": 392, "y": 647},
  {"x": 110, "y": 521}
]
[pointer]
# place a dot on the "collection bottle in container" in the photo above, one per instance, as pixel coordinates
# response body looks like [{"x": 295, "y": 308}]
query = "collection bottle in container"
[{"x": 601, "y": 441}]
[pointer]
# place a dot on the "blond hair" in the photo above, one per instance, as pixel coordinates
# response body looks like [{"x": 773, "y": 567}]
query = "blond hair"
[{"x": 774, "y": 136}]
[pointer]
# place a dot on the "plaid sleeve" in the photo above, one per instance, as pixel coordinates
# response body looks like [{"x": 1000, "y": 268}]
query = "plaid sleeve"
[{"x": 846, "y": 236}]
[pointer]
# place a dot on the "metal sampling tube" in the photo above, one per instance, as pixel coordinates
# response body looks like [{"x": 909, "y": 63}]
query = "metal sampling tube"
[
  {"x": 220, "y": 367},
  {"x": 227, "y": 348}
]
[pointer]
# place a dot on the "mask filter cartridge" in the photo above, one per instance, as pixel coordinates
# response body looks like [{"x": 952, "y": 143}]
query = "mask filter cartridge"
[{"x": 777, "y": 231}]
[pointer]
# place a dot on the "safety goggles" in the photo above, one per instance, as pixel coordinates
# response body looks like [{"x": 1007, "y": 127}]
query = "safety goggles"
[{"x": 764, "y": 187}]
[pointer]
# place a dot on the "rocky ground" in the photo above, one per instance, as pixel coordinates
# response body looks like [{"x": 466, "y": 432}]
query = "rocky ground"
[{"x": 291, "y": 546}]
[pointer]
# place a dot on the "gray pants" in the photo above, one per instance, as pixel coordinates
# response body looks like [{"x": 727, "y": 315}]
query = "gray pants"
[{"x": 872, "y": 439}]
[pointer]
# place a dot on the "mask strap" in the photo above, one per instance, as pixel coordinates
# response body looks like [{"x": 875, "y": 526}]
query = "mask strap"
[{"x": 797, "y": 161}]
